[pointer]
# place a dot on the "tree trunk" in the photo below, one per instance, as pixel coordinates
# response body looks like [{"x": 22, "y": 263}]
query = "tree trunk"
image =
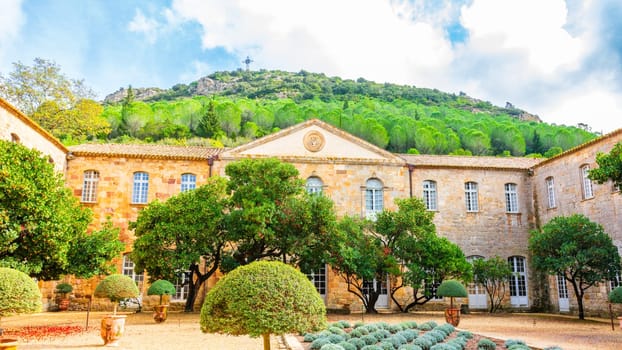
[
  {"x": 578, "y": 293},
  {"x": 193, "y": 291},
  {"x": 266, "y": 341},
  {"x": 371, "y": 303}
]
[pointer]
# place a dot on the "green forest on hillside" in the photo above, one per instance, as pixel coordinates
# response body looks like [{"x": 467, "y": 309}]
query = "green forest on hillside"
[
  {"x": 397, "y": 118},
  {"x": 231, "y": 108}
]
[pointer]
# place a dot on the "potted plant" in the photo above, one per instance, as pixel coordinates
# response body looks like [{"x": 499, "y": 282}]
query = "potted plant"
[
  {"x": 115, "y": 288},
  {"x": 63, "y": 301},
  {"x": 452, "y": 289},
  {"x": 615, "y": 297},
  {"x": 18, "y": 294},
  {"x": 161, "y": 287}
]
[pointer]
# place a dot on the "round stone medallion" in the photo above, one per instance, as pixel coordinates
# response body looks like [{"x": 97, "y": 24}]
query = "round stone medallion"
[{"x": 313, "y": 141}]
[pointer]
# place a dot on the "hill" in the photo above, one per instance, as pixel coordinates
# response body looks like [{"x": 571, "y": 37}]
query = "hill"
[{"x": 234, "y": 107}]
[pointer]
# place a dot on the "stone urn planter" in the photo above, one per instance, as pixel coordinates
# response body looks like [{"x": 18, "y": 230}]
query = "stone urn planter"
[
  {"x": 115, "y": 288},
  {"x": 19, "y": 294},
  {"x": 615, "y": 297},
  {"x": 161, "y": 287},
  {"x": 452, "y": 289}
]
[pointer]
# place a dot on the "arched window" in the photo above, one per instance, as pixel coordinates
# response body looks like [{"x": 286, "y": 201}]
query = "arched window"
[
  {"x": 429, "y": 194},
  {"x": 314, "y": 185},
  {"x": 586, "y": 182},
  {"x": 374, "y": 198},
  {"x": 89, "y": 186},
  {"x": 188, "y": 182},
  {"x": 470, "y": 196},
  {"x": 511, "y": 198},
  {"x": 140, "y": 188},
  {"x": 550, "y": 192}
]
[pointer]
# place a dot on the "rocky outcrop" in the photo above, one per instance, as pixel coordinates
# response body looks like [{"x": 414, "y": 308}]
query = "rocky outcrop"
[
  {"x": 140, "y": 94},
  {"x": 208, "y": 86}
]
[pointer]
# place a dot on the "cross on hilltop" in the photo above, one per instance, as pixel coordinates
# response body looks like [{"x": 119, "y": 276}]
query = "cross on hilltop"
[{"x": 247, "y": 61}]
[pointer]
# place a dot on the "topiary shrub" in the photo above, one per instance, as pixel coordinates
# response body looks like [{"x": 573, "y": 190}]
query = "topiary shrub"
[
  {"x": 369, "y": 339},
  {"x": 424, "y": 342},
  {"x": 319, "y": 342},
  {"x": 332, "y": 347},
  {"x": 409, "y": 325},
  {"x": 486, "y": 344},
  {"x": 309, "y": 337},
  {"x": 465, "y": 334},
  {"x": 410, "y": 347},
  {"x": 19, "y": 293},
  {"x": 358, "y": 342},
  {"x": 615, "y": 296},
  {"x": 408, "y": 334},
  {"x": 116, "y": 288},
  {"x": 263, "y": 298},
  {"x": 348, "y": 346},
  {"x": 385, "y": 345},
  {"x": 511, "y": 342},
  {"x": 519, "y": 347},
  {"x": 452, "y": 289},
  {"x": 336, "y": 338},
  {"x": 336, "y": 330},
  {"x": 64, "y": 288},
  {"x": 161, "y": 287},
  {"x": 371, "y": 347}
]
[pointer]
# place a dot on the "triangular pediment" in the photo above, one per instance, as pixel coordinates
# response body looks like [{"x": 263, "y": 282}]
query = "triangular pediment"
[{"x": 313, "y": 140}]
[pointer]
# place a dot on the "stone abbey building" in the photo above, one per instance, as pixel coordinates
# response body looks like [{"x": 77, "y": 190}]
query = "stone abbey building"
[{"x": 486, "y": 205}]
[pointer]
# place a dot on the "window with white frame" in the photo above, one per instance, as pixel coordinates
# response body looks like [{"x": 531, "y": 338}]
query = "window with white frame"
[
  {"x": 587, "y": 183},
  {"x": 616, "y": 281},
  {"x": 314, "y": 185},
  {"x": 130, "y": 271},
  {"x": 374, "y": 198},
  {"x": 188, "y": 182},
  {"x": 182, "y": 287},
  {"x": 518, "y": 280},
  {"x": 140, "y": 187},
  {"x": 89, "y": 186},
  {"x": 550, "y": 192},
  {"x": 511, "y": 198},
  {"x": 470, "y": 196},
  {"x": 429, "y": 194}
]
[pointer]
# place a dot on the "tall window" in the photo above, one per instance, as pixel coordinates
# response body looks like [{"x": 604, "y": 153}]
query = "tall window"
[
  {"x": 374, "y": 201},
  {"x": 587, "y": 183},
  {"x": 89, "y": 186},
  {"x": 617, "y": 281},
  {"x": 511, "y": 198},
  {"x": 470, "y": 195},
  {"x": 550, "y": 192},
  {"x": 140, "y": 188},
  {"x": 518, "y": 281},
  {"x": 188, "y": 182},
  {"x": 314, "y": 185},
  {"x": 129, "y": 270},
  {"x": 318, "y": 278},
  {"x": 429, "y": 194},
  {"x": 181, "y": 287}
]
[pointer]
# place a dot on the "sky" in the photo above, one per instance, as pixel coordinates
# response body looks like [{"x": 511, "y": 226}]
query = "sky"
[{"x": 560, "y": 60}]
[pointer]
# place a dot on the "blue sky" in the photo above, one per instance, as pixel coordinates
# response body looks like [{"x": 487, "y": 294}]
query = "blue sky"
[{"x": 558, "y": 59}]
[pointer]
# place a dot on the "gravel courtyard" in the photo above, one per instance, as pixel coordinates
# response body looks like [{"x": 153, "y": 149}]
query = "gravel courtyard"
[{"x": 181, "y": 331}]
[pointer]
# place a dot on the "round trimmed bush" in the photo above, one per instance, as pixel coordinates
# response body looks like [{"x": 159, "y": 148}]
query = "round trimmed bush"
[
  {"x": 263, "y": 297},
  {"x": 408, "y": 334},
  {"x": 486, "y": 344},
  {"x": 116, "y": 288},
  {"x": 331, "y": 347},
  {"x": 309, "y": 337},
  {"x": 358, "y": 342},
  {"x": 161, "y": 287},
  {"x": 319, "y": 342},
  {"x": 410, "y": 347},
  {"x": 369, "y": 339},
  {"x": 348, "y": 346},
  {"x": 19, "y": 293},
  {"x": 371, "y": 347},
  {"x": 615, "y": 296}
]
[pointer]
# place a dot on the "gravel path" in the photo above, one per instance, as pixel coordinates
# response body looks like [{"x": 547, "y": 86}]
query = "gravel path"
[{"x": 181, "y": 331}]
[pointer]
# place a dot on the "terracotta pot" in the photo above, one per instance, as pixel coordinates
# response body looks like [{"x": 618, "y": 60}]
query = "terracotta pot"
[
  {"x": 8, "y": 344},
  {"x": 160, "y": 312},
  {"x": 112, "y": 328},
  {"x": 63, "y": 304},
  {"x": 620, "y": 319},
  {"x": 452, "y": 316}
]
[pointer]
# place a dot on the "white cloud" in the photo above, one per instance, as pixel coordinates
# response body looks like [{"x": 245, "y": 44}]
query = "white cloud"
[
  {"x": 11, "y": 21},
  {"x": 197, "y": 69},
  {"x": 142, "y": 24}
]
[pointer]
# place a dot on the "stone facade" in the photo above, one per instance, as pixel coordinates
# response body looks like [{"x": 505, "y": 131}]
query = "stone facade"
[
  {"x": 17, "y": 127},
  {"x": 344, "y": 165}
]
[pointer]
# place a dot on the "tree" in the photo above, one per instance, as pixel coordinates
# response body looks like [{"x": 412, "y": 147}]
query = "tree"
[
  {"x": 80, "y": 121},
  {"x": 609, "y": 167},
  {"x": 270, "y": 215},
  {"x": 184, "y": 233},
  {"x": 209, "y": 126},
  {"x": 263, "y": 298},
  {"x": 493, "y": 274},
  {"x": 28, "y": 87},
  {"x": 43, "y": 227},
  {"x": 577, "y": 249}
]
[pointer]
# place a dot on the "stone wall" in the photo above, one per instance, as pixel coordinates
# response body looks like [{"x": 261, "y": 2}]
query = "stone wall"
[{"x": 16, "y": 127}]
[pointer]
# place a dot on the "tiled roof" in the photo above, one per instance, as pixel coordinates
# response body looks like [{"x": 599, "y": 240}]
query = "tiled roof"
[
  {"x": 145, "y": 151},
  {"x": 445, "y": 161}
]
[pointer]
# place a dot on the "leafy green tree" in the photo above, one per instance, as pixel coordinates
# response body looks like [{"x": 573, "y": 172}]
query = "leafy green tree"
[
  {"x": 80, "y": 121},
  {"x": 184, "y": 233},
  {"x": 209, "y": 126},
  {"x": 263, "y": 298},
  {"x": 609, "y": 167},
  {"x": 553, "y": 151},
  {"x": 92, "y": 254},
  {"x": 270, "y": 214},
  {"x": 27, "y": 87},
  {"x": 229, "y": 117},
  {"x": 577, "y": 249},
  {"x": 43, "y": 227},
  {"x": 493, "y": 274}
]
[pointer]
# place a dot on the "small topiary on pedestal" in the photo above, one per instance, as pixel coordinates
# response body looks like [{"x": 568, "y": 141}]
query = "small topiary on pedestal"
[
  {"x": 161, "y": 287},
  {"x": 452, "y": 289},
  {"x": 115, "y": 288}
]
